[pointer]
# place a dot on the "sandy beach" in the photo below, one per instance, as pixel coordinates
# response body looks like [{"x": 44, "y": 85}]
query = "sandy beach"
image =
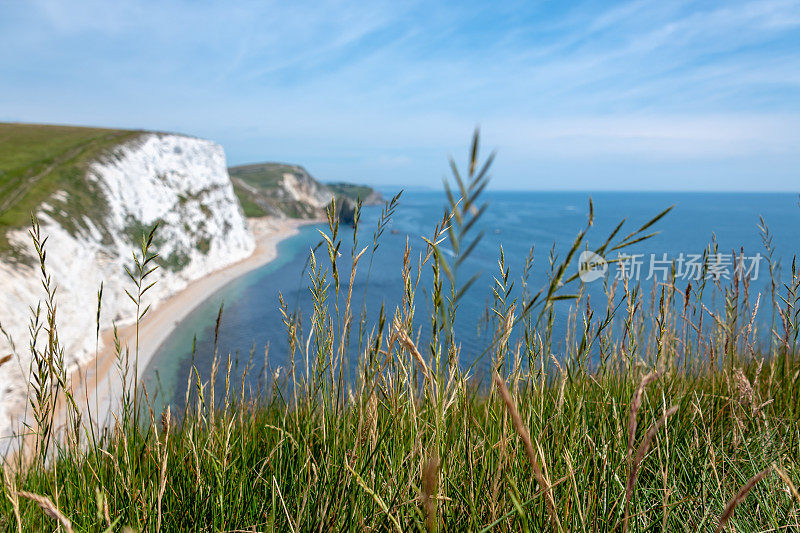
[{"x": 97, "y": 384}]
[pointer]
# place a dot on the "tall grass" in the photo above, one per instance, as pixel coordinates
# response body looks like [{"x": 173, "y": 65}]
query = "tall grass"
[{"x": 654, "y": 412}]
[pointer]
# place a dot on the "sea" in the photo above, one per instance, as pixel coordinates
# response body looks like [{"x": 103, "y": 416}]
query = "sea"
[{"x": 531, "y": 228}]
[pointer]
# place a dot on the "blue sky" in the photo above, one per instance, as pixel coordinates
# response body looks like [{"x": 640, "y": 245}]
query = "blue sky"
[{"x": 589, "y": 95}]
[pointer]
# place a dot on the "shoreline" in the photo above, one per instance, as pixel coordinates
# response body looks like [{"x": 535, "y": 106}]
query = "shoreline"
[{"x": 97, "y": 385}]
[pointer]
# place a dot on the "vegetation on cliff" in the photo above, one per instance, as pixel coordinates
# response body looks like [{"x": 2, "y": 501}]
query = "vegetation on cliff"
[
  {"x": 37, "y": 161},
  {"x": 279, "y": 189},
  {"x": 355, "y": 192}
]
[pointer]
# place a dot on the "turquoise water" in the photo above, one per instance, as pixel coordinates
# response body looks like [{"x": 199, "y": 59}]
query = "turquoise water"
[{"x": 517, "y": 220}]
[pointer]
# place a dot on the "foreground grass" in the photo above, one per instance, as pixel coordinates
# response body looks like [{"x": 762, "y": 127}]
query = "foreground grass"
[
  {"x": 644, "y": 419},
  {"x": 364, "y": 466}
]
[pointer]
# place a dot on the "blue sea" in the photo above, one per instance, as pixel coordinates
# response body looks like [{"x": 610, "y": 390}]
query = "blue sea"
[{"x": 545, "y": 222}]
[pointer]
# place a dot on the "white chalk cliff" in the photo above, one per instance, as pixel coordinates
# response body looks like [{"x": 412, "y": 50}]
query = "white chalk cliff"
[{"x": 179, "y": 182}]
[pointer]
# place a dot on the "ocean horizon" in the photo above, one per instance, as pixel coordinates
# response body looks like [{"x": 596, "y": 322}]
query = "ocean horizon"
[{"x": 542, "y": 222}]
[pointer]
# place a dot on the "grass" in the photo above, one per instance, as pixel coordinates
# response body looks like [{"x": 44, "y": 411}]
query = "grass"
[
  {"x": 659, "y": 414},
  {"x": 38, "y": 160},
  {"x": 263, "y": 175},
  {"x": 249, "y": 206},
  {"x": 352, "y": 191}
]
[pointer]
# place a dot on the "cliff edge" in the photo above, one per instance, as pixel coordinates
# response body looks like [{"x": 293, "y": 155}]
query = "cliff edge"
[{"x": 95, "y": 192}]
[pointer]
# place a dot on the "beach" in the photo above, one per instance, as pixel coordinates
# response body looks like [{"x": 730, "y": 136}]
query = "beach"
[{"x": 97, "y": 385}]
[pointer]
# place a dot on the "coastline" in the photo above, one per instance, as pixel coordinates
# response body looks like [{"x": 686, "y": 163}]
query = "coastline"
[{"x": 97, "y": 385}]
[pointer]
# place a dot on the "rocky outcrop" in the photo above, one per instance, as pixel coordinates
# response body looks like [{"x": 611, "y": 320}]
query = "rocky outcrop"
[
  {"x": 277, "y": 189},
  {"x": 347, "y": 210}
]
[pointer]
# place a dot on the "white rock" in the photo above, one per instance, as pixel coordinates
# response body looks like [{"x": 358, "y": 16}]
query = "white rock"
[{"x": 180, "y": 182}]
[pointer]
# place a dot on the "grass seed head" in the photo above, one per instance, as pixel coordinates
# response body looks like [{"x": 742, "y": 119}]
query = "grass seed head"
[
  {"x": 46, "y": 505},
  {"x": 739, "y": 498}
]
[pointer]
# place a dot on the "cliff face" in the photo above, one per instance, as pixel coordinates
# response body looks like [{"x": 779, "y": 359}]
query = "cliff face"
[
  {"x": 280, "y": 190},
  {"x": 181, "y": 183}
]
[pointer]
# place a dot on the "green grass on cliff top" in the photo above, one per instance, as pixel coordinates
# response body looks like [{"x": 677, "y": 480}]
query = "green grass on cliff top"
[
  {"x": 263, "y": 175},
  {"x": 351, "y": 190},
  {"x": 38, "y": 160}
]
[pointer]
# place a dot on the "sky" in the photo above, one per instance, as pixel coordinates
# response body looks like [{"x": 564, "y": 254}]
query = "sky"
[{"x": 598, "y": 95}]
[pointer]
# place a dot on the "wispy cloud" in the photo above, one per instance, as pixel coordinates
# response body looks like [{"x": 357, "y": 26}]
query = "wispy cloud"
[{"x": 383, "y": 93}]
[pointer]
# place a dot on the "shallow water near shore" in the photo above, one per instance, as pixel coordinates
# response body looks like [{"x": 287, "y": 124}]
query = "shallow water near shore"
[{"x": 515, "y": 220}]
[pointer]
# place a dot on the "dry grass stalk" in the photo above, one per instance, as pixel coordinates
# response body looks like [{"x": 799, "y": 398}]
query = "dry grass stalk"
[
  {"x": 408, "y": 344},
  {"x": 636, "y": 403},
  {"x": 641, "y": 452},
  {"x": 166, "y": 421},
  {"x": 11, "y": 494},
  {"x": 786, "y": 479},
  {"x": 5, "y": 359},
  {"x": 739, "y": 498},
  {"x": 644, "y": 447},
  {"x": 508, "y": 325},
  {"x": 368, "y": 424},
  {"x": 46, "y": 505},
  {"x": 283, "y": 504},
  {"x": 746, "y": 392},
  {"x": 102, "y": 506},
  {"x": 522, "y": 430},
  {"x": 430, "y": 484},
  {"x": 347, "y": 312}
]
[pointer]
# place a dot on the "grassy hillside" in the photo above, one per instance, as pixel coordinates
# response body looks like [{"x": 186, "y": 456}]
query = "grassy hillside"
[
  {"x": 367, "y": 194},
  {"x": 38, "y": 160},
  {"x": 262, "y": 175},
  {"x": 258, "y": 187},
  {"x": 262, "y": 191}
]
